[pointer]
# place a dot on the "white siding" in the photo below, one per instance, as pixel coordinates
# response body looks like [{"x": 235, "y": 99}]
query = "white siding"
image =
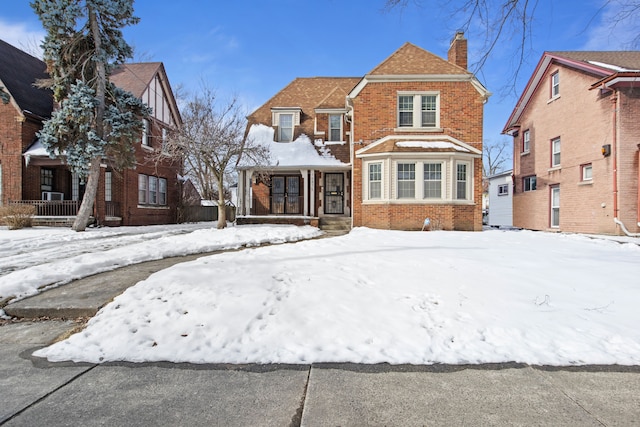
[{"x": 501, "y": 207}]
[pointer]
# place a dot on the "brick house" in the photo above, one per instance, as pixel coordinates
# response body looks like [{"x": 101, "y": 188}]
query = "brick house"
[
  {"x": 392, "y": 148},
  {"x": 148, "y": 194},
  {"x": 575, "y": 132}
]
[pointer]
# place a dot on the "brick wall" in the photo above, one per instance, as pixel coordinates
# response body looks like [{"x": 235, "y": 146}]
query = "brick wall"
[
  {"x": 375, "y": 116},
  {"x": 582, "y": 119}
]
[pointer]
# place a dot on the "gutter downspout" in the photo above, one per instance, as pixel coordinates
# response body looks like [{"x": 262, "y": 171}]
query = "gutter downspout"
[
  {"x": 349, "y": 115},
  {"x": 614, "y": 153}
]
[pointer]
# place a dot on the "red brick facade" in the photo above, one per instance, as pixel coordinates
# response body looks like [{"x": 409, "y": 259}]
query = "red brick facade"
[
  {"x": 21, "y": 177},
  {"x": 369, "y": 109}
]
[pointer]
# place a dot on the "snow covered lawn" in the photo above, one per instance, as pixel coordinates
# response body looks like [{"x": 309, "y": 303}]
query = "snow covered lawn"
[{"x": 382, "y": 296}]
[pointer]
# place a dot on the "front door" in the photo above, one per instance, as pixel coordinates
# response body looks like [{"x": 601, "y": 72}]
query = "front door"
[
  {"x": 285, "y": 195},
  {"x": 333, "y": 193}
]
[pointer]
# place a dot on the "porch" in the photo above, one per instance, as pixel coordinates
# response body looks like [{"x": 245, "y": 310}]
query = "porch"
[
  {"x": 293, "y": 196},
  {"x": 62, "y": 213}
]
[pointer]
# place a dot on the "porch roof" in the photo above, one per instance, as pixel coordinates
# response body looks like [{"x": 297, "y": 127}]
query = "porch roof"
[
  {"x": 36, "y": 152},
  {"x": 417, "y": 144},
  {"x": 301, "y": 153}
]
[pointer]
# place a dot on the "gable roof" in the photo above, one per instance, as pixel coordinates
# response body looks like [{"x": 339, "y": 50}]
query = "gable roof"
[
  {"x": 18, "y": 74},
  {"x": 138, "y": 77},
  {"x": 412, "y": 63},
  {"x": 307, "y": 93},
  {"x": 600, "y": 64},
  {"x": 410, "y": 59},
  {"x": 134, "y": 77}
]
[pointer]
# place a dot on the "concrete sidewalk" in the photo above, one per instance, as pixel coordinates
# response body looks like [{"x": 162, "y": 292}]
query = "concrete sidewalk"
[{"x": 35, "y": 392}]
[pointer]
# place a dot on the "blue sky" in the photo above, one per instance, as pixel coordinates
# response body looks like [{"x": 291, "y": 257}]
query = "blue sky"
[{"x": 254, "y": 48}]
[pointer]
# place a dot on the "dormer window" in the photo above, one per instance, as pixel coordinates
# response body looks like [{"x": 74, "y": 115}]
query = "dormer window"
[
  {"x": 418, "y": 110},
  {"x": 286, "y": 119}
]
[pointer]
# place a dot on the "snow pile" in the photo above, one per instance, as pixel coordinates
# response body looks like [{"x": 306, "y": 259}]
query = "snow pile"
[
  {"x": 37, "y": 257},
  {"x": 300, "y": 152},
  {"x": 431, "y": 144},
  {"x": 382, "y": 296}
]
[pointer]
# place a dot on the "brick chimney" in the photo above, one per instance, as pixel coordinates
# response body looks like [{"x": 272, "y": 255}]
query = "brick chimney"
[{"x": 458, "y": 50}]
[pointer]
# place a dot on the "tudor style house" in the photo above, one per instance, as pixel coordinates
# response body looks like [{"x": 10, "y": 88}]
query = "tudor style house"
[
  {"x": 387, "y": 150},
  {"x": 148, "y": 194},
  {"x": 575, "y": 132}
]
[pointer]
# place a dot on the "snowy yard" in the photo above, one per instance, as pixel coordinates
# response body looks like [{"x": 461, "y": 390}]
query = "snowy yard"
[{"x": 368, "y": 297}]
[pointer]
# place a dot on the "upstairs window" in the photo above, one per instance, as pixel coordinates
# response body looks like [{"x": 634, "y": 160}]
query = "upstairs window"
[
  {"x": 335, "y": 127},
  {"x": 146, "y": 140},
  {"x": 529, "y": 183},
  {"x": 526, "y": 141},
  {"x": 418, "y": 111},
  {"x": 286, "y": 119},
  {"x": 555, "y": 84},
  {"x": 285, "y": 128},
  {"x": 555, "y": 152},
  {"x": 587, "y": 172},
  {"x": 503, "y": 190}
]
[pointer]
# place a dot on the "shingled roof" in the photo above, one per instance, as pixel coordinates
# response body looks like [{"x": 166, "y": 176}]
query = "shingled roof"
[
  {"x": 134, "y": 77},
  {"x": 307, "y": 93},
  {"x": 629, "y": 60},
  {"x": 18, "y": 74},
  {"x": 410, "y": 59}
]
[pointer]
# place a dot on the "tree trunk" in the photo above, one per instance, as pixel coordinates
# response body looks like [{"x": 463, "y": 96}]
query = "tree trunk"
[
  {"x": 222, "y": 208},
  {"x": 91, "y": 189}
]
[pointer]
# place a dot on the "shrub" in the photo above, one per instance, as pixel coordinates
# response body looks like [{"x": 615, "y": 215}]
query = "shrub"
[{"x": 17, "y": 216}]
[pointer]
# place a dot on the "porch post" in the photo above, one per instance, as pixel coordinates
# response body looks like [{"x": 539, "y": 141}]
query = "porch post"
[
  {"x": 313, "y": 191},
  {"x": 246, "y": 196},
  {"x": 305, "y": 186}
]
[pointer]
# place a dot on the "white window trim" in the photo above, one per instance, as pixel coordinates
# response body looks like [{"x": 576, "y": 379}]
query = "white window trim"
[
  {"x": 552, "y": 207},
  {"x": 554, "y": 152},
  {"x": 275, "y": 118},
  {"x": 340, "y": 122},
  {"x": 583, "y": 168},
  {"x": 443, "y": 179},
  {"x": 416, "y": 184},
  {"x": 526, "y": 140},
  {"x": 468, "y": 186},
  {"x": 367, "y": 182},
  {"x": 555, "y": 85},
  {"x": 417, "y": 110},
  {"x": 145, "y": 133},
  {"x": 503, "y": 189},
  {"x": 524, "y": 190}
]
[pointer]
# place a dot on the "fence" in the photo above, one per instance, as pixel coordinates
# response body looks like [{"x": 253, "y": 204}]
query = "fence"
[
  {"x": 51, "y": 208},
  {"x": 204, "y": 213}
]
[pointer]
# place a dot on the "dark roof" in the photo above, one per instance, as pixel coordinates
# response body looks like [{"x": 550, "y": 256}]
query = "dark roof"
[
  {"x": 629, "y": 59},
  {"x": 18, "y": 73}
]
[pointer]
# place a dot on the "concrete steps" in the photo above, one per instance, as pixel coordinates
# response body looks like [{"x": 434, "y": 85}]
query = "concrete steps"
[{"x": 335, "y": 223}]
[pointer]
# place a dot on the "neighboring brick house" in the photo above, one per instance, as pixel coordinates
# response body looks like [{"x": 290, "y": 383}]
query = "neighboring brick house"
[
  {"x": 576, "y": 132},
  {"x": 148, "y": 194},
  {"x": 394, "y": 147}
]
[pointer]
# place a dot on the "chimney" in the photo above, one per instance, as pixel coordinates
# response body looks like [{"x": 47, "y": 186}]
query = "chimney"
[{"x": 458, "y": 50}]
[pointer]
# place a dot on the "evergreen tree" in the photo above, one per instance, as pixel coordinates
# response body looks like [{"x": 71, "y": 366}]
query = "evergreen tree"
[{"x": 96, "y": 120}]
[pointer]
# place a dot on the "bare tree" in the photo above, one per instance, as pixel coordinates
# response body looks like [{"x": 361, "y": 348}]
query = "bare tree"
[
  {"x": 211, "y": 143},
  {"x": 501, "y": 22},
  {"x": 496, "y": 156}
]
